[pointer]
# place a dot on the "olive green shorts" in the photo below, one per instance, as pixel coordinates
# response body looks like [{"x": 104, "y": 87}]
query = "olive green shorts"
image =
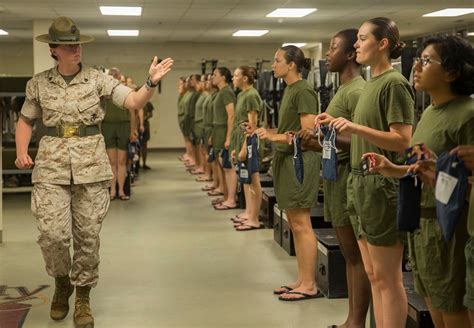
[
  {"x": 188, "y": 125},
  {"x": 290, "y": 193},
  {"x": 199, "y": 131},
  {"x": 218, "y": 137},
  {"x": 116, "y": 135},
  {"x": 469, "y": 253},
  {"x": 207, "y": 133},
  {"x": 439, "y": 267},
  {"x": 373, "y": 200},
  {"x": 181, "y": 124},
  {"x": 335, "y": 197}
]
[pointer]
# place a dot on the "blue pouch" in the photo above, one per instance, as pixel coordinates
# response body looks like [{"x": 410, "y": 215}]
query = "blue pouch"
[
  {"x": 226, "y": 164},
  {"x": 329, "y": 160},
  {"x": 298, "y": 159},
  {"x": 409, "y": 194},
  {"x": 253, "y": 163},
  {"x": 243, "y": 173},
  {"x": 408, "y": 203},
  {"x": 450, "y": 192},
  {"x": 212, "y": 155}
]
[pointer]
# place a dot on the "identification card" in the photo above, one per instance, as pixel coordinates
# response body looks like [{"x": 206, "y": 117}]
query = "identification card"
[
  {"x": 249, "y": 151},
  {"x": 244, "y": 173},
  {"x": 326, "y": 149},
  {"x": 445, "y": 185}
]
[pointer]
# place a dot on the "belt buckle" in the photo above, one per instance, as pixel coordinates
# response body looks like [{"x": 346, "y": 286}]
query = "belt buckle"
[{"x": 70, "y": 131}]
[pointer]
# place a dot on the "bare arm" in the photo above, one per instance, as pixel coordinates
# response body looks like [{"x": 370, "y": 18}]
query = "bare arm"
[
  {"x": 397, "y": 139},
  {"x": 141, "y": 120},
  {"x": 22, "y": 139},
  {"x": 230, "y": 122}
]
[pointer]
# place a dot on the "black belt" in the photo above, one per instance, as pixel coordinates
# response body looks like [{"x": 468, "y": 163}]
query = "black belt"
[{"x": 72, "y": 130}]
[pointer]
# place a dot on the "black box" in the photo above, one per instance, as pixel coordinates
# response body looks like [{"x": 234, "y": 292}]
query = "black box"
[
  {"x": 286, "y": 235},
  {"x": 418, "y": 314},
  {"x": 277, "y": 224},
  {"x": 330, "y": 265},
  {"x": 241, "y": 196},
  {"x": 317, "y": 218},
  {"x": 266, "y": 180},
  {"x": 266, "y": 209}
]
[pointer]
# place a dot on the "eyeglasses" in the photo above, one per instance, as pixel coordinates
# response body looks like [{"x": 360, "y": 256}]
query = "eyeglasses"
[{"x": 425, "y": 61}]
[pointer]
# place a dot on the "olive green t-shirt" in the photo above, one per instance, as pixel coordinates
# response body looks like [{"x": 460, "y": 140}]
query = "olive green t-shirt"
[
  {"x": 224, "y": 97},
  {"x": 386, "y": 99},
  {"x": 442, "y": 128},
  {"x": 115, "y": 114},
  {"x": 298, "y": 98},
  {"x": 199, "y": 114},
  {"x": 209, "y": 112},
  {"x": 247, "y": 101},
  {"x": 184, "y": 104},
  {"x": 191, "y": 106},
  {"x": 344, "y": 103}
]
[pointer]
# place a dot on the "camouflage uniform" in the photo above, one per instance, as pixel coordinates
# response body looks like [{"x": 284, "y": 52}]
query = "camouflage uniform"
[{"x": 71, "y": 175}]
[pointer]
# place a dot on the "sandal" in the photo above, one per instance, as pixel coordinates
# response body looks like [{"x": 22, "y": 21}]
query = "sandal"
[
  {"x": 246, "y": 227},
  {"x": 304, "y": 296},
  {"x": 282, "y": 290},
  {"x": 124, "y": 197},
  {"x": 222, "y": 207},
  {"x": 207, "y": 188},
  {"x": 215, "y": 193}
]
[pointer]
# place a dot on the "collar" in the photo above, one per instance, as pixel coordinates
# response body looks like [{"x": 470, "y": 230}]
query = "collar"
[{"x": 82, "y": 77}]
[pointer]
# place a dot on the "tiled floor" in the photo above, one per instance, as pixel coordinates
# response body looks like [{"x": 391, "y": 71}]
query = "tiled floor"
[{"x": 167, "y": 260}]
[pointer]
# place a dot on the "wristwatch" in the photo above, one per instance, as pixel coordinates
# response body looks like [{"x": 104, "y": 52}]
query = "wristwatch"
[{"x": 149, "y": 84}]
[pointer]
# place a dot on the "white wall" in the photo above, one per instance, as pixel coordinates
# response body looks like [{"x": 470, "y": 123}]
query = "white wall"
[{"x": 134, "y": 59}]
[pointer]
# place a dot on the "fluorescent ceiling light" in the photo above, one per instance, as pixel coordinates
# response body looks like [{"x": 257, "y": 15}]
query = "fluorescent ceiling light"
[
  {"x": 121, "y": 11},
  {"x": 250, "y": 33},
  {"x": 122, "y": 32},
  {"x": 291, "y": 12},
  {"x": 470, "y": 34},
  {"x": 3, "y": 32},
  {"x": 450, "y": 12},
  {"x": 299, "y": 45}
]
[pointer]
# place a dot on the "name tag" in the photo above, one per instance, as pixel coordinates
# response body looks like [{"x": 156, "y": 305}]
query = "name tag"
[
  {"x": 326, "y": 149},
  {"x": 445, "y": 185}
]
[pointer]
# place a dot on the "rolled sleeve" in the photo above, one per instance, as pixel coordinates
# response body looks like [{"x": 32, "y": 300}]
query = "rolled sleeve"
[
  {"x": 112, "y": 88},
  {"x": 31, "y": 109},
  {"x": 119, "y": 94}
]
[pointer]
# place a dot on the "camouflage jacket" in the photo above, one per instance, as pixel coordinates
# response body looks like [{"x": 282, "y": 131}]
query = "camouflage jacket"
[{"x": 78, "y": 159}]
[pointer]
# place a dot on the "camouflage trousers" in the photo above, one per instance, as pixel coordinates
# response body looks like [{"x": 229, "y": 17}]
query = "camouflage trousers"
[{"x": 65, "y": 211}]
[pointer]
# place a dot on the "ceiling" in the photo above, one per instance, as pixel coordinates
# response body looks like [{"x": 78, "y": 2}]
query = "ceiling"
[{"x": 215, "y": 20}]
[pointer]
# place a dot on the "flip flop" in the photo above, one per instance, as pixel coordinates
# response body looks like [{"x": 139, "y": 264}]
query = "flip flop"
[
  {"x": 224, "y": 207},
  {"x": 196, "y": 172},
  {"x": 124, "y": 197},
  {"x": 305, "y": 296},
  {"x": 246, "y": 227},
  {"x": 238, "y": 220},
  {"x": 215, "y": 193},
  {"x": 279, "y": 292},
  {"x": 332, "y": 326},
  {"x": 217, "y": 201},
  {"x": 112, "y": 198},
  {"x": 207, "y": 188},
  {"x": 203, "y": 180}
]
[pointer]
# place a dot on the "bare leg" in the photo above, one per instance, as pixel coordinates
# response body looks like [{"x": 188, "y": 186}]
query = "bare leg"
[
  {"x": 358, "y": 284},
  {"x": 255, "y": 197},
  {"x": 305, "y": 247},
  {"x": 121, "y": 170},
  {"x": 144, "y": 152},
  {"x": 231, "y": 185},
  {"x": 387, "y": 268},
  {"x": 376, "y": 294},
  {"x": 112, "y": 154}
]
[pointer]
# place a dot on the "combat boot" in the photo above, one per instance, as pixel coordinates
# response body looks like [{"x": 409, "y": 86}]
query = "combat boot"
[
  {"x": 60, "y": 303},
  {"x": 82, "y": 313}
]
